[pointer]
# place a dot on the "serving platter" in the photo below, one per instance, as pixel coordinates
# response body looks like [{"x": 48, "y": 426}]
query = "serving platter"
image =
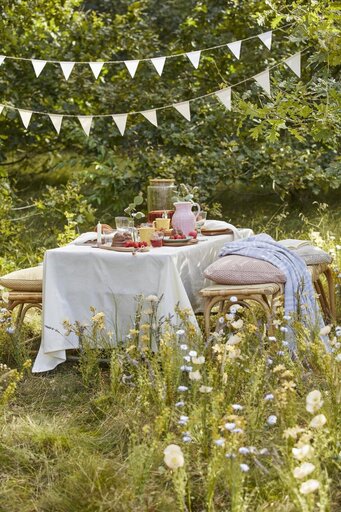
[
  {"x": 179, "y": 243},
  {"x": 122, "y": 249},
  {"x": 215, "y": 232}
]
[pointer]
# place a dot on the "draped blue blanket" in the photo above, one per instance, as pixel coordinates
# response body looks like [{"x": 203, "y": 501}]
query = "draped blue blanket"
[{"x": 299, "y": 293}]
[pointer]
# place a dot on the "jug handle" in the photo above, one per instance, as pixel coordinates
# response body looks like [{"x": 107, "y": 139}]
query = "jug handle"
[{"x": 199, "y": 210}]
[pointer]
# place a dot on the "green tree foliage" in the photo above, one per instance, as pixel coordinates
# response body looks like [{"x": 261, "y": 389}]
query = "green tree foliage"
[{"x": 289, "y": 140}]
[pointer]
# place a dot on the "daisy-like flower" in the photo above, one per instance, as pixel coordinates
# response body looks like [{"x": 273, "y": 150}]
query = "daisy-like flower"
[
  {"x": 180, "y": 332},
  {"x": 233, "y": 299},
  {"x": 230, "y": 426},
  {"x": 244, "y": 467},
  {"x": 309, "y": 486},
  {"x": 182, "y": 388},
  {"x": 237, "y": 407},
  {"x": 219, "y": 442},
  {"x": 10, "y": 330},
  {"x": 186, "y": 438},
  {"x": 268, "y": 397},
  {"x": 221, "y": 320},
  {"x": 238, "y": 324},
  {"x": 198, "y": 360},
  {"x": 306, "y": 451},
  {"x": 183, "y": 346},
  {"x": 318, "y": 421},
  {"x": 183, "y": 420},
  {"x": 174, "y": 457},
  {"x": 185, "y": 368},
  {"x": 303, "y": 470},
  {"x": 187, "y": 359},
  {"x": 234, "y": 340},
  {"x": 272, "y": 420},
  {"x": 243, "y": 450},
  {"x": 181, "y": 403},
  {"x": 237, "y": 431},
  {"x": 193, "y": 353},
  {"x": 205, "y": 389},
  {"x": 283, "y": 329},
  {"x": 314, "y": 401},
  {"x": 195, "y": 375},
  {"x": 272, "y": 338}
]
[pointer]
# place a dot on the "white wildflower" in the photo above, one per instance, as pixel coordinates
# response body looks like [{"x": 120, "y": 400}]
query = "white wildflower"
[
  {"x": 193, "y": 353},
  {"x": 174, "y": 457},
  {"x": 244, "y": 450},
  {"x": 181, "y": 403},
  {"x": 237, "y": 407},
  {"x": 195, "y": 375},
  {"x": 205, "y": 389},
  {"x": 180, "y": 332},
  {"x": 325, "y": 330},
  {"x": 183, "y": 346},
  {"x": 152, "y": 298},
  {"x": 233, "y": 299},
  {"x": 303, "y": 470},
  {"x": 244, "y": 467},
  {"x": 198, "y": 360},
  {"x": 230, "y": 426},
  {"x": 318, "y": 421},
  {"x": 268, "y": 397},
  {"x": 238, "y": 324},
  {"x": 314, "y": 401},
  {"x": 272, "y": 420},
  {"x": 309, "y": 486},
  {"x": 234, "y": 340},
  {"x": 272, "y": 338},
  {"x": 182, "y": 388},
  {"x": 219, "y": 442},
  {"x": 306, "y": 451}
]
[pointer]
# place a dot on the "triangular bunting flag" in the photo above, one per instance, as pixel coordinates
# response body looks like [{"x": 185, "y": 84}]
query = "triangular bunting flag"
[
  {"x": 235, "y": 48},
  {"x": 184, "y": 109},
  {"x": 1, "y": 108},
  {"x": 158, "y": 63},
  {"x": 194, "y": 57},
  {"x": 266, "y": 38},
  {"x": 96, "y": 68},
  {"x": 26, "y": 117},
  {"x": 263, "y": 79},
  {"x": 121, "y": 121},
  {"x": 56, "y": 121},
  {"x": 294, "y": 63},
  {"x": 224, "y": 96},
  {"x": 67, "y": 67},
  {"x": 132, "y": 66},
  {"x": 151, "y": 116},
  {"x": 2, "y": 58},
  {"x": 86, "y": 122},
  {"x": 38, "y": 66}
]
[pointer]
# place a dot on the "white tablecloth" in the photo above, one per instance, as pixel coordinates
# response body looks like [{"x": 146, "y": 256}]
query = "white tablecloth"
[{"x": 77, "y": 277}]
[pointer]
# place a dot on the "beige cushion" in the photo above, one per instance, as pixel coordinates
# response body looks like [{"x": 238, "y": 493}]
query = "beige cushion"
[
  {"x": 313, "y": 255},
  {"x": 27, "y": 279},
  {"x": 235, "y": 269}
]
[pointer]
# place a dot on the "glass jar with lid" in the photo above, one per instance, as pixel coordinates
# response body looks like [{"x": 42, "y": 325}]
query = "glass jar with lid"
[{"x": 160, "y": 193}]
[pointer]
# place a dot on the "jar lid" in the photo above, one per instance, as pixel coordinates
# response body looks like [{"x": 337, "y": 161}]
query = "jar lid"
[{"x": 161, "y": 181}]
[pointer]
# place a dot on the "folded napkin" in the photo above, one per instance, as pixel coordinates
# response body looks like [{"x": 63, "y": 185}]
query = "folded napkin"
[
  {"x": 293, "y": 243},
  {"x": 91, "y": 236},
  {"x": 214, "y": 225}
]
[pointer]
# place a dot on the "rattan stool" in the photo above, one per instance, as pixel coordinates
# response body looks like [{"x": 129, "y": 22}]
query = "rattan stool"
[
  {"x": 327, "y": 300},
  {"x": 25, "y": 300},
  {"x": 264, "y": 294}
]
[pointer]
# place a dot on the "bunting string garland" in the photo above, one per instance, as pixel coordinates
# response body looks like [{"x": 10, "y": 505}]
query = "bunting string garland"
[
  {"x": 158, "y": 62},
  {"x": 223, "y": 95}
]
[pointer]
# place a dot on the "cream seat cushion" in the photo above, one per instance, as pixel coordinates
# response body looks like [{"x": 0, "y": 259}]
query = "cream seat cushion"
[
  {"x": 313, "y": 255},
  {"x": 236, "y": 269},
  {"x": 27, "y": 279}
]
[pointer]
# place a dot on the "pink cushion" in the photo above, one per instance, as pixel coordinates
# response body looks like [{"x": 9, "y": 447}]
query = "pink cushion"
[{"x": 235, "y": 269}]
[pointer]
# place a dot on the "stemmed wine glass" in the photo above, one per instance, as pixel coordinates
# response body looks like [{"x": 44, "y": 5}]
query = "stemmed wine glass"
[{"x": 201, "y": 219}]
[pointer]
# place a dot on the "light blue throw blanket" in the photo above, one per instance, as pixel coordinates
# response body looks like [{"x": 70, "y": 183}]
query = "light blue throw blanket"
[{"x": 299, "y": 293}]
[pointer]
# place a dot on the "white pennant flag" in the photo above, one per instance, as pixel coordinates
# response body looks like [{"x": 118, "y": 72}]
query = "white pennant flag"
[
  {"x": 294, "y": 63},
  {"x": 38, "y": 66},
  {"x": 86, "y": 122},
  {"x": 184, "y": 109},
  {"x": 1, "y": 108},
  {"x": 151, "y": 116},
  {"x": 224, "y": 96},
  {"x": 266, "y": 38},
  {"x": 158, "y": 63},
  {"x": 132, "y": 66},
  {"x": 121, "y": 121},
  {"x": 96, "y": 68},
  {"x": 67, "y": 67},
  {"x": 235, "y": 48},
  {"x": 2, "y": 58},
  {"x": 263, "y": 79},
  {"x": 194, "y": 57},
  {"x": 26, "y": 117},
  {"x": 56, "y": 121}
]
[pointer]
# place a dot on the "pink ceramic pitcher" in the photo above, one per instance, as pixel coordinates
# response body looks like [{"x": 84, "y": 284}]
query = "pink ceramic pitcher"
[{"x": 183, "y": 218}]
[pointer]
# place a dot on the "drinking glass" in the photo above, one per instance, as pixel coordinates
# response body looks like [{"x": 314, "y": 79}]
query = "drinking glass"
[
  {"x": 124, "y": 223},
  {"x": 201, "y": 219}
]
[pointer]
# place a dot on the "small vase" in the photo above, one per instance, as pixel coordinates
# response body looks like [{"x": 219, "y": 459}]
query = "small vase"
[{"x": 184, "y": 219}]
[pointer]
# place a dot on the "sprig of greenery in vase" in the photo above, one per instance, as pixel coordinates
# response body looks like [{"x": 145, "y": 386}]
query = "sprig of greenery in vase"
[
  {"x": 131, "y": 208},
  {"x": 185, "y": 193}
]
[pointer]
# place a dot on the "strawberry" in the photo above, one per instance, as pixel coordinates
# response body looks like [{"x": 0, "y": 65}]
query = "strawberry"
[{"x": 194, "y": 234}]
